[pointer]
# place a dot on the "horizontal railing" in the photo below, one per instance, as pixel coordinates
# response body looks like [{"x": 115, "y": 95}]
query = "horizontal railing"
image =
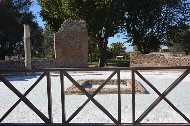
[{"x": 64, "y": 73}]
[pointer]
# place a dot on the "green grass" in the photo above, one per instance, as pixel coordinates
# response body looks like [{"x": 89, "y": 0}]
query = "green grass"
[
  {"x": 184, "y": 56},
  {"x": 113, "y": 63}
]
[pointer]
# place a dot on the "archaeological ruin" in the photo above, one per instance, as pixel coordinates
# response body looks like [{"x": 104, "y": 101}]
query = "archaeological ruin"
[
  {"x": 111, "y": 87},
  {"x": 71, "y": 44},
  {"x": 71, "y": 49}
]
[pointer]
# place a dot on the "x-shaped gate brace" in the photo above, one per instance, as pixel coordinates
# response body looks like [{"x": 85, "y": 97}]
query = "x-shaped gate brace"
[
  {"x": 26, "y": 101},
  {"x": 91, "y": 97},
  {"x": 161, "y": 96}
]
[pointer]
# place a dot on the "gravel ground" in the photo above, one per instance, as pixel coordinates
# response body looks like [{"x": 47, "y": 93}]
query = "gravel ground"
[{"x": 162, "y": 113}]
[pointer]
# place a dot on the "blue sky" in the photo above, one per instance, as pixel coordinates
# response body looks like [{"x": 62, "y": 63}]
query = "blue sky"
[{"x": 36, "y": 9}]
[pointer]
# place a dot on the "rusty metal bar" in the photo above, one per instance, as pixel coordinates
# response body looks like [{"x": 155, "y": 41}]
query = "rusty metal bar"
[
  {"x": 95, "y": 69},
  {"x": 147, "y": 82},
  {"x": 172, "y": 86},
  {"x": 119, "y": 96},
  {"x": 114, "y": 68},
  {"x": 62, "y": 97},
  {"x": 99, "y": 88},
  {"x": 133, "y": 97},
  {"x": 49, "y": 97},
  {"x": 77, "y": 111},
  {"x": 176, "y": 82},
  {"x": 94, "y": 124},
  {"x": 90, "y": 97},
  {"x": 177, "y": 110},
  {"x": 24, "y": 99},
  {"x": 25, "y": 94},
  {"x": 162, "y": 96}
]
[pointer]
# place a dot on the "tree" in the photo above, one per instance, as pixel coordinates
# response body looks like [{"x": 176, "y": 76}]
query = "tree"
[
  {"x": 140, "y": 23},
  {"x": 48, "y": 44},
  {"x": 13, "y": 14},
  {"x": 37, "y": 40},
  {"x": 117, "y": 49},
  {"x": 148, "y": 22},
  {"x": 180, "y": 41},
  {"x": 104, "y": 18},
  {"x": 93, "y": 50}
]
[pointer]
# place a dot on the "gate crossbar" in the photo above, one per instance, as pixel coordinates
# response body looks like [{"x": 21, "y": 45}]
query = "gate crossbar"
[
  {"x": 25, "y": 94},
  {"x": 162, "y": 96},
  {"x": 23, "y": 98},
  {"x": 90, "y": 97}
]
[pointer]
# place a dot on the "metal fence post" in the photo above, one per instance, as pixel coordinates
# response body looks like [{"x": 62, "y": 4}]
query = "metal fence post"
[
  {"x": 133, "y": 96},
  {"x": 49, "y": 97}
]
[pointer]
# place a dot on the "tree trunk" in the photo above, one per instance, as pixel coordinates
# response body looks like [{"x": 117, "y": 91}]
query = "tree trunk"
[
  {"x": 102, "y": 48},
  {"x": 101, "y": 58},
  {"x": 2, "y": 54}
]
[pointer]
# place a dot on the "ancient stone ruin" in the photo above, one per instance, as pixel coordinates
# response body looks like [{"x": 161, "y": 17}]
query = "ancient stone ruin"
[
  {"x": 111, "y": 87},
  {"x": 71, "y": 49},
  {"x": 157, "y": 60},
  {"x": 71, "y": 44}
]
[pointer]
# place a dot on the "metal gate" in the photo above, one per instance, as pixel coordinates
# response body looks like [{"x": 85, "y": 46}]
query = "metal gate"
[{"x": 64, "y": 72}]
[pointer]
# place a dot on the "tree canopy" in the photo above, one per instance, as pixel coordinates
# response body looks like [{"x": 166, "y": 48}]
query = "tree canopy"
[
  {"x": 104, "y": 18},
  {"x": 180, "y": 40},
  {"x": 149, "y": 22},
  {"x": 13, "y": 14},
  {"x": 48, "y": 46},
  {"x": 117, "y": 49}
]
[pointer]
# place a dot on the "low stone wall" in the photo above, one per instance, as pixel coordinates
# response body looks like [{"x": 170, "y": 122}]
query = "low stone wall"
[
  {"x": 112, "y": 88},
  {"x": 37, "y": 64},
  {"x": 11, "y": 65},
  {"x": 157, "y": 60}
]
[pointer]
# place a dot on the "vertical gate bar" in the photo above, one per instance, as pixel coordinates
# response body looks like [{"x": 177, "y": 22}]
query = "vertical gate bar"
[
  {"x": 49, "y": 97},
  {"x": 62, "y": 97},
  {"x": 119, "y": 96},
  {"x": 133, "y": 96}
]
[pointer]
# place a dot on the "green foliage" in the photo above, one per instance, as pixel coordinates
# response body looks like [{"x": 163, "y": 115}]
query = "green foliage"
[
  {"x": 100, "y": 14},
  {"x": 113, "y": 63},
  {"x": 48, "y": 44},
  {"x": 148, "y": 22},
  {"x": 117, "y": 49},
  {"x": 181, "y": 39},
  {"x": 54, "y": 13},
  {"x": 37, "y": 39},
  {"x": 13, "y": 14},
  {"x": 118, "y": 63},
  {"x": 141, "y": 22},
  {"x": 93, "y": 51}
]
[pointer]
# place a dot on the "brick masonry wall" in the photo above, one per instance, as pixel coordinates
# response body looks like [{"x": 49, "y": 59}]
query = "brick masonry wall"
[
  {"x": 71, "y": 44},
  {"x": 157, "y": 60}
]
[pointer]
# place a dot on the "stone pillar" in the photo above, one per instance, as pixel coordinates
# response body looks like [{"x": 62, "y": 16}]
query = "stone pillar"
[{"x": 27, "y": 47}]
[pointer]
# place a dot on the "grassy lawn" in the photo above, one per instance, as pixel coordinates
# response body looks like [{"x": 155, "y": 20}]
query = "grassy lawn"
[
  {"x": 112, "y": 63},
  {"x": 184, "y": 56}
]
